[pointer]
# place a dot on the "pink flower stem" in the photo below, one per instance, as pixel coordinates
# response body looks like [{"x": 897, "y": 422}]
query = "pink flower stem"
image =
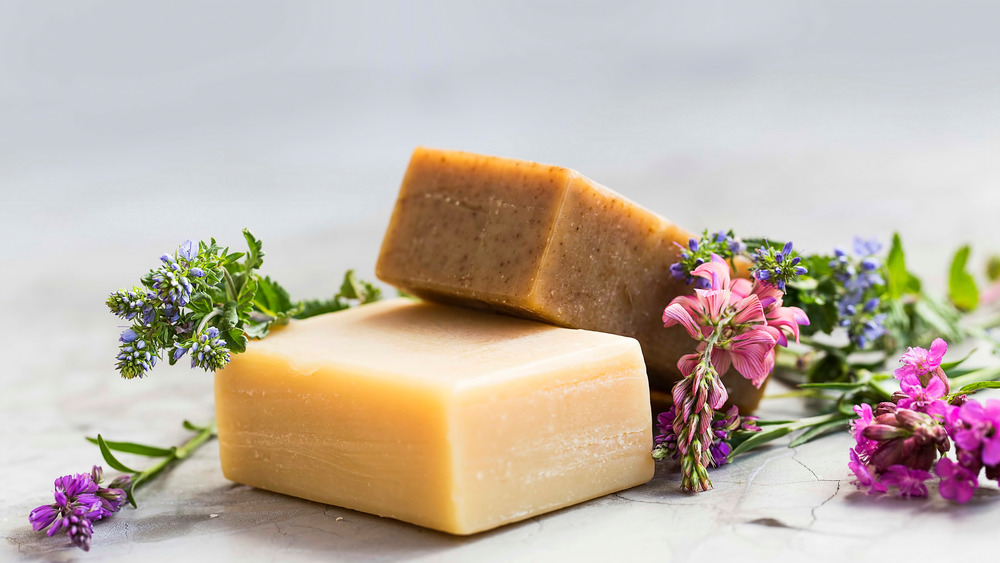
[{"x": 693, "y": 422}]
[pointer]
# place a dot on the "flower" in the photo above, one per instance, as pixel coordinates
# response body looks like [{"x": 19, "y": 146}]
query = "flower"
[
  {"x": 865, "y": 418},
  {"x": 747, "y": 343},
  {"x": 975, "y": 427},
  {"x": 79, "y": 501},
  {"x": 135, "y": 358},
  {"x": 208, "y": 350},
  {"x": 698, "y": 252},
  {"x": 723, "y": 423},
  {"x": 858, "y": 302},
  {"x": 129, "y": 303},
  {"x": 957, "y": 483},
  {"x": 777, "y": 268},
  {"x": 865, "y": 479},
  {"x": 908, "y": 482},
  {"x": 919, "y": 364},
  {"x": 172, "y": 280}
]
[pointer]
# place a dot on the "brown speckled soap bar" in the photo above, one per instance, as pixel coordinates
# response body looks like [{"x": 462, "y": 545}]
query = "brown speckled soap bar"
[{"x": 541, "y": 242}]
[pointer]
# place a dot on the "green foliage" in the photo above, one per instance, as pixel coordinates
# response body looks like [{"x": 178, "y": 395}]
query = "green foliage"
[{"x": 961, "y": 285}]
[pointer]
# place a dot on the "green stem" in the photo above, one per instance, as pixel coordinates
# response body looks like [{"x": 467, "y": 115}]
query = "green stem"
[
  {"x": 204, "y": 320},
  {"x": 230, "y": 284},
  {"x": 179, "y": 453},
  {"x": 984, "y": 374}
]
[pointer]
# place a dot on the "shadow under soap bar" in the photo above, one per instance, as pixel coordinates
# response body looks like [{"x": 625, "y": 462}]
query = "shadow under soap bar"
[
  {"x": 448, "y": 418},
  {"x": 541, "y": 242}
]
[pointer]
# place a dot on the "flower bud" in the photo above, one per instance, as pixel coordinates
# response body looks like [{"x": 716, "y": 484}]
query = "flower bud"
[
  {"x": 884, "y": 432},
  {"x": 884, "y": 408}
]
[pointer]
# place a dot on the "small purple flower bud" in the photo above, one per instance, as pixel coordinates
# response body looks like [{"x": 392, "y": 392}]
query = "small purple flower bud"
[
  {"x": 788, "y": 248},
  {"x": 128, "y": 335},
  {"x": 763, "y": 275},
  {"x": 693, "y": 245}
]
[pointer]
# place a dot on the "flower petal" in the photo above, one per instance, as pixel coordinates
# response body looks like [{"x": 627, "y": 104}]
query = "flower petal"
[
  {"x": 716, "y": 272},
  {"x": 675, "y": 313}
]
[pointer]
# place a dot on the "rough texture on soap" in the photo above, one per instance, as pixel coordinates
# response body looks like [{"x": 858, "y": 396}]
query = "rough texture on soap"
[
  {"x": 449, "y": 418},
  {"x": 541, "y": 242}
]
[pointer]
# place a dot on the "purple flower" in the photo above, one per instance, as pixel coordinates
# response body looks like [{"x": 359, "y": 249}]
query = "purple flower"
[
  {"x": 919, "y": 363},
  {"x": 976, "y": 428},
  {"x": 79, "y": 501},
  {"x": 864, "y": 478},
  {"x": 957, "y": 482},
  {"x": 868, "y": 247},
  {"x": 208, "y": 350},
  {"x": 187, "y": 250},
  {"x": 908, "y": 482},
  {"x": 923, "y": 399},
  {"x": 864, "y": 447}
]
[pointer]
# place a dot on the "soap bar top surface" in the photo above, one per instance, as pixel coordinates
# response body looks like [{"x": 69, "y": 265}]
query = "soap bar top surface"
[
  {"x": 444, "y": 346},
  {"x": 453, "y": 419}
]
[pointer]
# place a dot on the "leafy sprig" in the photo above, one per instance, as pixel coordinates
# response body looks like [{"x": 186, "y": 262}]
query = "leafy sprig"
[{"x": 208, "y": 303}]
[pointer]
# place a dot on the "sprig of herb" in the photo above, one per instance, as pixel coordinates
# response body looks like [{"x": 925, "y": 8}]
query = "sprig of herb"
[{"x": 208, "y": 303}]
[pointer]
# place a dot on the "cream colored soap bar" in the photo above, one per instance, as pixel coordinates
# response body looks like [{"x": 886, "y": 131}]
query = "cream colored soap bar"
[
  {"x": 541, "y": 242},
  {"x": 449, "y": 418}
]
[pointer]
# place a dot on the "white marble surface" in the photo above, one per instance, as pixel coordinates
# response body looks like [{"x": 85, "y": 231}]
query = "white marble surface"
[{"x": 126, "y": 128}]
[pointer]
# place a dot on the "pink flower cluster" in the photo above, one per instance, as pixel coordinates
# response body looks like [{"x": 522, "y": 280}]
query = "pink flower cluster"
[
  {"x": 750, "y": 315},
  {"x": 899, "y": 442}
]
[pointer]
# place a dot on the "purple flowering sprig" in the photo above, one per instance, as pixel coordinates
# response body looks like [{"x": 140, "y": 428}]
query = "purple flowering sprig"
[
  {"x": 80, "y": 501},
  {"x": 699, "y": 251},
  {"x": 777, "y": 267},
  {"x": 206, "y": 302}
]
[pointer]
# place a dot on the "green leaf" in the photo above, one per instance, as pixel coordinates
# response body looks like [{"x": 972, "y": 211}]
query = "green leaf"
[
  {"x": 110, "y": 457},
  {"x": 230, "y": 316},
  {"x": 774, "y": 422},
  {"x": 350, "y": 288},
  {"x": 948, "y": 366},
  {"x": 962, "y": 288},
  {"x": 900, "y": 281},
  {"x": 255, "y": 255},
  {"x": 188, "y": 425},
  {"x": 973, "y": 387},
  {"x": 833, "y": 386},
  {"x": 257, "y": 331},
  {"x": 316, "y": 307},
  {"x": 236, "y": 340},
  {"x": 941, "y": 320},
  {"x": 759, "y": 439},
  {"x": 133, "y": 448},
  {"x": 272, "y": 299},
  {"x": 818, "y": 431}
]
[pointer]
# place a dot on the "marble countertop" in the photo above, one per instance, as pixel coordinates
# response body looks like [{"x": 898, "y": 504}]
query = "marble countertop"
[{"x": 126, "y": 128}]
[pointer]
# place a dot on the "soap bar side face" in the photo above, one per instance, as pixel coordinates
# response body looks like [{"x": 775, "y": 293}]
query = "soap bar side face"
[
  {"x": 471, "y": 225},
  {"x": 579, "y": 433},
  {"x": 607, "y": 268},
  {"x": 316, "y": 436}
]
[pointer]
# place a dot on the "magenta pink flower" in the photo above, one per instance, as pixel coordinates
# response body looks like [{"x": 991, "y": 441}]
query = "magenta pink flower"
[
  {"x": 865, "y": 446},
  {"x": 974, "y": 425},
  {"x": 921, "y": 398},
  {"x": 918, "y": 363},
  {"x": 865, "y": 479},
  {"x": 957, "y": 482},
  {"x": 908, "y": 482}
]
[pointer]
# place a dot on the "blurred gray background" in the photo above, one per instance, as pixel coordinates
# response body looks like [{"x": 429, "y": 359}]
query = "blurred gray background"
[{"x": 127, "y": 127}]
